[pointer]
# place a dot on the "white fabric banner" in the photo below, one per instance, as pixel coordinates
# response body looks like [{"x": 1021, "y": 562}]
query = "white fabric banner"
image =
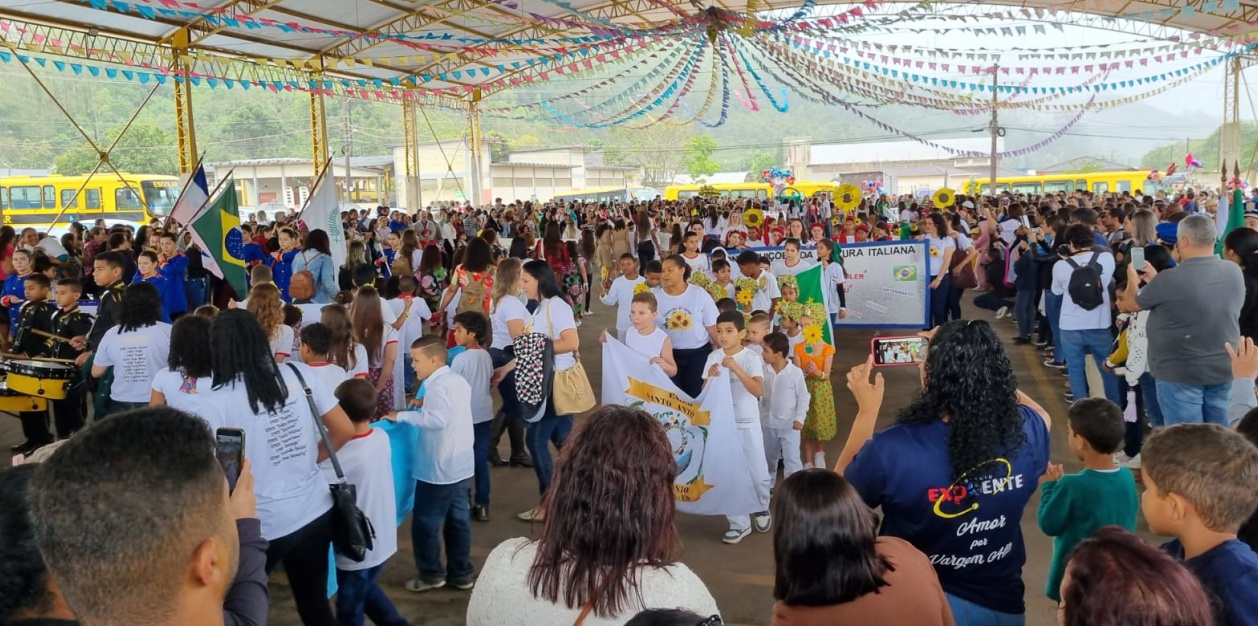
[
  {"x": 323, "y": 212},
  {"x": 712, "y": 476}
]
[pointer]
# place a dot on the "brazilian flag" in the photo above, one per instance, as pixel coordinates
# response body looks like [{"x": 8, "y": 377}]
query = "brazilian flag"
[{"x": 217, "y": 231}]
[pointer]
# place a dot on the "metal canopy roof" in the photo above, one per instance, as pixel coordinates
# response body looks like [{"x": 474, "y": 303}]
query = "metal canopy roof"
[{"x": 478, "y": 46}]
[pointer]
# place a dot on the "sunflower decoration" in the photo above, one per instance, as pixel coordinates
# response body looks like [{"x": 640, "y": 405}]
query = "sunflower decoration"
[
  {"x": 944, "y": 198},
  {"x": 701, "y": 279},
  {"x": 678, "y": 320},
  {"x": 812, "y": 334},
  {"x": 745, "y": 297},
  {"x": 753, "y": 218},
  {"x": 717, "y": 292},
  {"x": 708, "y": 191},
  {"x": 847, "y": 197},
  {"x": 641, "y": 288},
  {"x": 790, "y": 310},
  {"x": 787, "y": 280}
]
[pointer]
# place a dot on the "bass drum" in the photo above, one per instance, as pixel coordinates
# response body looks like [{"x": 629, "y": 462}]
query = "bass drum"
[
  {"x": 41, "y": 379},
  {"x": 14, "y": 402}
]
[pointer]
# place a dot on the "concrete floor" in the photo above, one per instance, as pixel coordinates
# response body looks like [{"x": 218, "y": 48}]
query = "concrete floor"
[{"x": 741, "y": 576}]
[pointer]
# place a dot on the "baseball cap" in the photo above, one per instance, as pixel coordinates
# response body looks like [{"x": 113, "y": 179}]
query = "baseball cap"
[{"x": 967, "y": 204}]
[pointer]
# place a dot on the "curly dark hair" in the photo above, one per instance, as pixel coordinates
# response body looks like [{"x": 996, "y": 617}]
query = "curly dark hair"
[
  {"x": 190, "y": 347},
  {"x": 969, "y": 381},
  {"x": 22, "y": 574},
  {"x": 141, "y": 306},
  {"x": 609, "y": 512},
  {"x": 242, "y": 355}
]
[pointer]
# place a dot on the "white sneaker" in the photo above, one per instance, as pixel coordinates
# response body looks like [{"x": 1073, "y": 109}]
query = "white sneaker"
[
  {"x": 417, "y": 585},
  {"x": 533, "y": 515},
  {"x": 819, "y": 460},
  {"x": 1132, "y": 463},
  {"x": 734, "y": 536},
  {"x": 808, "y": 465},
  {"x": 1002, "y": 312},
  {"x": 762, "y": 522}
]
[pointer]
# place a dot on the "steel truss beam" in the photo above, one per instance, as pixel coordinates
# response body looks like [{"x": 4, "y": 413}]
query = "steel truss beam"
[{"x": 318, "y": 134}]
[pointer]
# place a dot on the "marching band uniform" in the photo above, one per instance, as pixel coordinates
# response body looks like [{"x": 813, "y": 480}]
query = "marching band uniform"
[
  {"x": 70, "y": 413},
  {"x": 32, "y": 316}
]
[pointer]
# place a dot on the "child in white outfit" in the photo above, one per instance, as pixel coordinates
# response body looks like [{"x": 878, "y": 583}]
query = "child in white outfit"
[
  {"x": 783, "y": 407},
  {"x": 746, "y": 372},
  {"x": 644, "y": 337}
]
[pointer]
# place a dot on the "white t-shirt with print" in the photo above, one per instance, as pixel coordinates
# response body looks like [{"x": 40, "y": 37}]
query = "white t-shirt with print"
[
  {"x": 780, "y": 268},
  {"x": 283, "y": 448},
  {"x": 136, "y": 356},
  {"x": 686, "y": 317},
  {"x": 698, "y": 264},
  {"x": 367, "y": 462},
  {"x": 561, "y": 319},
  {"x": 767, "y": 293},
  {"x": 936, "y": 247},
  {"x": 193, "y": 400},
  {"x": 746, "y": 406}
]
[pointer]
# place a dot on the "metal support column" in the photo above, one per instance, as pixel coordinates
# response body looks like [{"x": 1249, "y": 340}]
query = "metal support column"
[
  {"x": 475, "y": 141},
  {"x": 185, "y": 131},
  {"x": 410, "y": 159},
  {"x": 995, "y": 130},
  {"x": 318, "y": 135},
  {"x": 1230, "y": 133}
]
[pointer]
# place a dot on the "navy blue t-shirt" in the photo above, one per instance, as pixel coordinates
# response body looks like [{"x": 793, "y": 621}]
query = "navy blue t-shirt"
[
  {"x": 1229, "y": 572},
  {"x": 971, "y": 528}
]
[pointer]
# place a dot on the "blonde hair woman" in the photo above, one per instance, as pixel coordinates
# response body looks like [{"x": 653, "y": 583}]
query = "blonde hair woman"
[
  {"x": 266, "y": 305},
  {"x": 507, "y": 317}
]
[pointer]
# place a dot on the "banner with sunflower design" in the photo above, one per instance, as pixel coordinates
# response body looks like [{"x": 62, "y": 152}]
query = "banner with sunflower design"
[{"x": 712, "y": 476}]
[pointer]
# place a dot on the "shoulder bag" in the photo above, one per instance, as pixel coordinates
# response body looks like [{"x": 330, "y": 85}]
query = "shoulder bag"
[
  {"x": 352, "y": 532},
  {"x": 572, "y": 392}
]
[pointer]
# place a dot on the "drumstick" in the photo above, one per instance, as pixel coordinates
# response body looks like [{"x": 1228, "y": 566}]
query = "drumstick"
[
  {"x": 23, "y": 357},
  {"x": 49, "y": 335}
]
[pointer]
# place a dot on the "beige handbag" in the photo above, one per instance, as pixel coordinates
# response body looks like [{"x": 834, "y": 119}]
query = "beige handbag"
[{"x": 570, "y": 391}]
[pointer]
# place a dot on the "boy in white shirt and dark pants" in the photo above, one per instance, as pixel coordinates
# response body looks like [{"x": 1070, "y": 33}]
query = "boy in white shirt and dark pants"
[
  {"x": 746, "y": 372},
  {"x": 443, "y": 468},
  {"x": 476, "y": 366},
  {"x": 783, "y": 407},
  {"x": 366, "y": 461}
]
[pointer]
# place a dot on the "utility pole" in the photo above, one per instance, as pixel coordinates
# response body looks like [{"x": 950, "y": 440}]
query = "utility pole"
[
  {"x": 347, "y": 149},
  {"x": 995, "y": 128}
]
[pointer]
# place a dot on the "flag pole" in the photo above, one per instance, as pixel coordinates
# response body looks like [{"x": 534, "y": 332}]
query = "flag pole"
[
  {"x": 209, "y": 199},
  {"x": 315, "y": 189},
  {"x": 184, "y": 189}
]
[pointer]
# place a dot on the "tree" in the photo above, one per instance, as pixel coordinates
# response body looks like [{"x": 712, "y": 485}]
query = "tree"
[
  {"x": 699, "y": 151},
  {"x": 655, "y": 149},
  {"x": 143, "y": 149},
  {"x": 761, "y": 162}
]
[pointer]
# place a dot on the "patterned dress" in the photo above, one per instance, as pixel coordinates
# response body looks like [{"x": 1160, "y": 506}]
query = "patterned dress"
[{"x": 819, "y": 425}]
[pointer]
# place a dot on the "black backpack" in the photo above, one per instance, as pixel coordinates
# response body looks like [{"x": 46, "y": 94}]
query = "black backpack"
[{"x": 1085, "y": 287}]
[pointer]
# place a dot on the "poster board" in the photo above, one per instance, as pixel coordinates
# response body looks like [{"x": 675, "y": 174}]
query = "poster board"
[{"x": 887, "y": 282}]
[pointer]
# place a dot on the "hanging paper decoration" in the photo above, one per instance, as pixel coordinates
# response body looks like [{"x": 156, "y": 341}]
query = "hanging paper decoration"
[{"x": 944, "y": 198}]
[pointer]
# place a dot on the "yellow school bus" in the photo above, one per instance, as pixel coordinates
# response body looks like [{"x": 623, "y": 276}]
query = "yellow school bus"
[
  {"x": 608, "y": 194},
  {"x": 758, "y": 191},
  {"x": 1096, "y": 182},
  {"x": 36, "y": 200}
]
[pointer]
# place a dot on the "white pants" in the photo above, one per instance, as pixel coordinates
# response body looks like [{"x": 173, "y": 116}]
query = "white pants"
[
  {"x": 752, "y": 442},
  {"x": 782, "y": 443}
]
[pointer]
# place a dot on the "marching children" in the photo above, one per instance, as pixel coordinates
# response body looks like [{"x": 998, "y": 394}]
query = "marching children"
[
  {"x": 690, "y": 251},
  {"x": 645, "y": 337},
  {"x": 35, "y": 313},
  {"x": 746, "y": 372},
  {"x": 758, "y": 326},
  {"x": 67, "y": 322},
  {"x": 654, "y": 274},
  {"x": 816, "y": 357},
  {"x": 620, "y": 293},
  {"x": 366, "y": 461},
  {"x": 1199, "y": 488},
  {"x": 1072, "y": 507},
  {"x": 724, "y": 277},
  {"x": 790, "y": 326},
  {"x": 784, "y": 406},
  {"x": 762, "y": 284},
  {"x": 476, "y": 366},
  {"x": 444, "y": 464}
]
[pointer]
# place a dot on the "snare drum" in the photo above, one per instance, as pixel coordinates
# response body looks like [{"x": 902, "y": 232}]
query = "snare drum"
[
  {"x": 42, "y": 379},
  {"x": 14, "y": 402}
]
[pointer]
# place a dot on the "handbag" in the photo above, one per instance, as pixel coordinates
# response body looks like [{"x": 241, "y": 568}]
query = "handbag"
[
  {"x": 963, "y": 276},
  {"x": 571, "y": 390},
  {"x": 352, "y": 532}
]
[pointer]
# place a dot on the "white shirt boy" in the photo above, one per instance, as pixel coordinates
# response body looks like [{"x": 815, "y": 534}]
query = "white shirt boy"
[{"x": 444, "y": 454}]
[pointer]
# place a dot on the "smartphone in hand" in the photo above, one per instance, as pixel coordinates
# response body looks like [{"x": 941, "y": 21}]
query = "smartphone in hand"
[
  {"x": 229, "y": 448},
  {"x": 898, "y": 350}
]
